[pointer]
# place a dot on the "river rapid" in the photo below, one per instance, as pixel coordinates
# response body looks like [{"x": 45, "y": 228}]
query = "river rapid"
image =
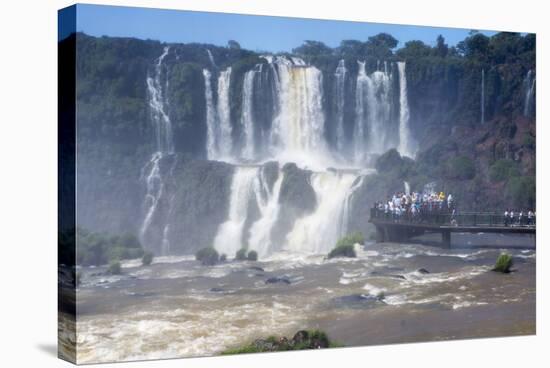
[{"x": 390, "y": 293}]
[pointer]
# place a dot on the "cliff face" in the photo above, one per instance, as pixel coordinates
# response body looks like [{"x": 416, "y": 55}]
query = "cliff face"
[{"x": 470, "y": 115}]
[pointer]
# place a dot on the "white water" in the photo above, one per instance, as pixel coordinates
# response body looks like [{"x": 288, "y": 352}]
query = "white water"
[
  {"x": 160, "y": 119},
  {"x": 164, "y": 144},
  {"x": 340, "y": 75},
  {"x": 155, "y": 187},
  {"x": 211, "y": 58},
  {"x": 229, "y": 238},
  {"x": 405, "y": 145},
  {"x": 268, "y": 204},
  {"x": 225, "y": 143},
  {"x": 373, "y": 99},
  {"x": 407, "y": 187},
  {"x": 211, "y": 118},
  {"x": 297, "y": 133},
  {"x": 348, "y": 201},
  {"x": 248, "y": 151},
  {"x": 530, "y": 82},
  {"x": 319, "y": 231},
  {"x": 360, "y": 132},
  {"x": 482, "y": 96}
]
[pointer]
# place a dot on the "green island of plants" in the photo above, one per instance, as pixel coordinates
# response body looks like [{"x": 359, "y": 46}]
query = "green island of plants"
[{"x": 302, "y": 340}]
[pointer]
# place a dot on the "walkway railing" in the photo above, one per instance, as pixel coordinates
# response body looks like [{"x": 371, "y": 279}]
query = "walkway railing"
[{"x": 444, "y": 218}]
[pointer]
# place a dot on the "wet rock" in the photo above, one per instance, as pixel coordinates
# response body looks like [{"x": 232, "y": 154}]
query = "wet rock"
[
  {"x": 278, "y": 280},
  {"x": 256, "y": 268},
  {"x": 423, "y": 271},
  {"x": 357, "y": 300},
  {"x": 217, "y": 290}
]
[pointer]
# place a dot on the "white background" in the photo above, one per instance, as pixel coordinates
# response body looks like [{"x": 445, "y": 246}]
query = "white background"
[{"x": 28, "y": 181}]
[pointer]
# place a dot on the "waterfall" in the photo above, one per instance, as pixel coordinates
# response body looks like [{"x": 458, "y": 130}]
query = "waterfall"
[
  {"x": 248, "y": 151},
  {"x": 344, "y": 222},
  {"x": 360, "y": 137},
  {"x": 340, "y": 75},
  {"x": 211, "y": 58},
  {"x": 373, "y": 102},
  {"x": 268, "y": 204},
  {"x": 211, "y": 126},
  {"x": 404, "y": 147},
  {"x": 319, "y": 231},
  {"x": 160, "y": 119},
  {"x": 151, "y": 173},
  {"x": 529, "y": 82},
  {"x": 407, "y": 187},
  {"x": 298, "y": 129},
  {"x": 229, "y": 238},
  {"x": 155, "y": 187},
  {"x": 225, "y": 142},
  {"x": 219, "y": 143},
  {"x": 482, "y": 96}
]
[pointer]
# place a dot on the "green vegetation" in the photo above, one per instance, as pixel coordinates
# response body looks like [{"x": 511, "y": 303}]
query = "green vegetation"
[
  {"x": 504, "y": 263},
  {"x": 345, "y": 247},
  {"x": 99, "y": 249},
  {"x": 352, "y": 239},
  {"x": 241, "y": 254},
  {"x": 223, "y": 257},
  {"x": 522, "y": 191},
  {"x": 114, "y": 268},
  {"x": 460, "y": 168},
  {"x": 302, "y": 340},
  {"x": 503, "y": 170},
  {"x": 252, "y": 255},
  {"x": 244, "y": 255},
  {"x": 207, "y": 256},
  {"x": 147, "y": 258}
]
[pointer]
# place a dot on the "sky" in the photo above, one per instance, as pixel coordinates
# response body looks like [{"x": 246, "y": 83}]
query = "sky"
[{"x": 258, "y": 33}]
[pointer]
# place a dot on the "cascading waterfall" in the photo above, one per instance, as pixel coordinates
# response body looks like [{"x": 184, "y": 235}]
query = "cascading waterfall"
[
  {"x": 404, "y": 131},
  {"x": 319, "y": 232},
  {"x": 230, "y": 238},
  {"x": 248, "y": 151},
  {"x": 225, "y": 142},
  {"x": 348, "y": 201},
  {"x": 340, "y": 76},
  {"x": 268, "y": 204},
  {"x": 211, "y": 118},
  {"x": 298, "y": 129},
  {"x": 373, "y": 99},
  {"x": 155, "y": 187},
  {"x": 482, "y": 96},
  {"x": 219, "y": 143},
  {"x": 211, "y": 58},
  {"x": 360, "y": 137},
  {"x": 161, "y": 120},
  {"x": 164, "y": 145},
  {"x": 530, "y": 82}
]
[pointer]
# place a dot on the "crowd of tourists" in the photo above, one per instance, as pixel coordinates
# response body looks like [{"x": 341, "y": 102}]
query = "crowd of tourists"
[
  {"x": 439, "y": 207},
  {"x": 416, "y": 206}
]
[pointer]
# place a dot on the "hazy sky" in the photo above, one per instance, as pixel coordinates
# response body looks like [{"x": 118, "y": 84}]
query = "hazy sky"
[{"x": 252, "y": 32}]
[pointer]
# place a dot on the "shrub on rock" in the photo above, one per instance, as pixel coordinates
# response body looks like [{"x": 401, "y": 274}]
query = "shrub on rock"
[
  {"x": 346, "y": 250},
  {"x": 241, "y": 254},
  {"x": 504, "y": 263},
  {"x": 147, "y": 258},
  {"x": 252, "y": 255},
  {"x": 207, "y": 256},
  {"x": 114, "y": 268}
]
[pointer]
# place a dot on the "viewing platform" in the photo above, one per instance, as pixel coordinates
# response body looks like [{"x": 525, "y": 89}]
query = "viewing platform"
[{"x": 401, "y": 228}]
